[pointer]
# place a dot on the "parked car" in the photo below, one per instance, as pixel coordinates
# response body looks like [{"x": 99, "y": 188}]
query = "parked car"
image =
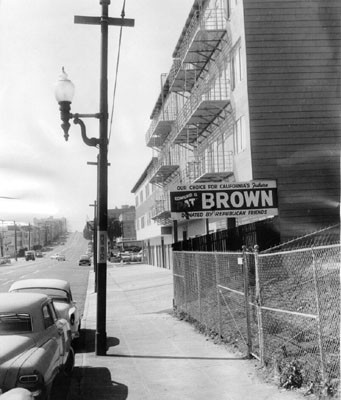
[
  {"x": 60, "y": 292},
  {"x": 139, "y": 256},
  {"x": 35, "y": 343},
  {"x": 115, "y": 257},
  {"x": 30, "y": 255},
  {"x": 84, "y": 260},
  {"x": 126, "y": 257},
  {"x": 5, "y": 260},
  {"x": 39, "y": 254},
  {"x": 58, "y": 257},
  {"x": 17, "y": 394}
]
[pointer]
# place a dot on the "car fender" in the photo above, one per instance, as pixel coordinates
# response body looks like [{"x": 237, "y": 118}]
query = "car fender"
[{"x": 44, "y": 360}]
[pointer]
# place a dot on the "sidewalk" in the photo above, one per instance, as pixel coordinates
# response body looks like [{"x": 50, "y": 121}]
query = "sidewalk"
[{"x": 154, "y": 356}]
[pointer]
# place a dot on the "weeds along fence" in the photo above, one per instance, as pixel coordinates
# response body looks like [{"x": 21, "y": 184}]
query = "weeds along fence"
[{"x": 281, "y": 307}]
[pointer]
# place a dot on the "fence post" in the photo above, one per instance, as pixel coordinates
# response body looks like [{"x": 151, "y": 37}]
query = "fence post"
[
  {"x": 184, "y": 269},
  {"x": 319, "y": 328},
  {"x": 259, "y": 306},
  {"x": 247, "y": 305},
  {"x": 198, "y": 283},
  {"x": 217, "y": 276}
]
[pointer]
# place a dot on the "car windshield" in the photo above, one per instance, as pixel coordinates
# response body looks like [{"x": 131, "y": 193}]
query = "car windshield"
[
  {"x": 15, "y": 323},
  {"x": 56, "y": 294}
]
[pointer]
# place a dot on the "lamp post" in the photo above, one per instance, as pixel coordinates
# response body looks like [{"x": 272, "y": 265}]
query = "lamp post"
[{"x": 64, "y": 92}]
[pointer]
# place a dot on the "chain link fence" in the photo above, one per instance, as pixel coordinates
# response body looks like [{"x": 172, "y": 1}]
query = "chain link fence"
[{"x": 281, "y": 307}]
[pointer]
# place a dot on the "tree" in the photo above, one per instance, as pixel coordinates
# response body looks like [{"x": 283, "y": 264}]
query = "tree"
[
  {"x": 87, "y": 231},
  {"x": 114, "y": 230}
]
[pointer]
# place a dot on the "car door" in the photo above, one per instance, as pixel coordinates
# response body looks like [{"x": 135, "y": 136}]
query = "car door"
[{"x": 55, "y": 341}]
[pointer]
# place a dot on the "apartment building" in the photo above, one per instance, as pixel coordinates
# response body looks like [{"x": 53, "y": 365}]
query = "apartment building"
[
  {"x": 153, "y": 226},
  {"x": 253, "y": 94}
]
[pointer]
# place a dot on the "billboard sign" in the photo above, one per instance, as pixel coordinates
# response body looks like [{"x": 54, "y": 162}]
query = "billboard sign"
[{"x": 224, "y": 199}]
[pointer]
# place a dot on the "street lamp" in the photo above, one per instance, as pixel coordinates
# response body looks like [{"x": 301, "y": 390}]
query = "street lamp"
[{"x": 64, "y": 91}]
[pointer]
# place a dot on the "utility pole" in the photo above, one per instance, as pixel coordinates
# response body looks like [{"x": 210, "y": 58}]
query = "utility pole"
[
  {"x": 2, "y": 238},
  {"x": 29, "y": 236},
  {"x": 15, "y": 242},
  {"x": 95, "y": 242},
  {"x": 102, "y": 236}
]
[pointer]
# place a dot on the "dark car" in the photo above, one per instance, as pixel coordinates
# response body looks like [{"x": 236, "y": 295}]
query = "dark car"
[
  {"x": 84, "y": 260},
  {"x": 30, "y": 255}
]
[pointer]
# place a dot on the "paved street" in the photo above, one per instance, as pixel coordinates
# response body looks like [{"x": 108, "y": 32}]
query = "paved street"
[{"x": 47, "y": 268}]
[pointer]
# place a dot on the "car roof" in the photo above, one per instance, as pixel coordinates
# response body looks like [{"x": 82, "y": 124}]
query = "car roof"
[
  {"x": 41, "y": 283},
  {"x": 21, "y": 302},
  {"x": 84, "y": 256}
]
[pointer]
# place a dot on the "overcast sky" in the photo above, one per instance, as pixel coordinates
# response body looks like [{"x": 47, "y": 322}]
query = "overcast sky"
[{"x": 46, "y": 175}]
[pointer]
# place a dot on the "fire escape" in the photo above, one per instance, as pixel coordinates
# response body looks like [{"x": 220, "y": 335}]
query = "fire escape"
[{"x": 199, "y": 79}]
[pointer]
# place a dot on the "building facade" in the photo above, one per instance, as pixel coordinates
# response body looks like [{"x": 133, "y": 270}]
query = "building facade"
[
  {"x": 253, "y": 94},
  {"x": 154, "y": 233}
]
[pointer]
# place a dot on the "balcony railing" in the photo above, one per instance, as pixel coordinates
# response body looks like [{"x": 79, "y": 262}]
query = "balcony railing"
[
  {"x": 161, "y": 125},
  {"x": 182, "y": 77},
  {"x": 204, "y": 32},
  {"x": 161, "y": 210},
  {"x": 164, "y": 168},
  {"x": 214, "y": 168},
  {"x": 205, "y": 104}
]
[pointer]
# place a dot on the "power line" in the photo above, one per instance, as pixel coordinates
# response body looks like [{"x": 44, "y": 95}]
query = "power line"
[{"x": 116, "y": 71}]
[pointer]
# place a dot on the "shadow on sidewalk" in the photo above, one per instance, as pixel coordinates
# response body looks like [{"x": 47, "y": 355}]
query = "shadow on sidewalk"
[
  {"x": 86, "y": 342},
  {"x": 95, "y": 383}
]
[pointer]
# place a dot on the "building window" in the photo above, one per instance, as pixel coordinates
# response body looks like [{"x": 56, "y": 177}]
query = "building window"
[
  {"x": 228, "y": 8},
  {"x": 136, "y": 201},
  {"x": 239, "y": 137},
  {"x": 48, "y": 319},
  {"x": 142, "y": 222},
  {"x": 141, "y": 197},
  {"x": 147, "y": 190},
  {"x": 236, "y": 66}
]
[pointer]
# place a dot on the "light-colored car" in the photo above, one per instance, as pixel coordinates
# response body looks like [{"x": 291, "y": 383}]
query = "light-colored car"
[
  {"x": 58, "y": 257},
  {"x": 17, "y": 394},
  {"x": 60, "y": 292},
  {"x": 35, "y": 343},
  {"x": 126, "y": 257},
  {"x": 139, "y": 256},
  {"x": 5, "y": 260}
]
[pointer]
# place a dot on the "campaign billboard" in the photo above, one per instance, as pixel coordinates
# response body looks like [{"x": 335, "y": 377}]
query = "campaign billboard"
[{"x": 224, "y": 199}]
